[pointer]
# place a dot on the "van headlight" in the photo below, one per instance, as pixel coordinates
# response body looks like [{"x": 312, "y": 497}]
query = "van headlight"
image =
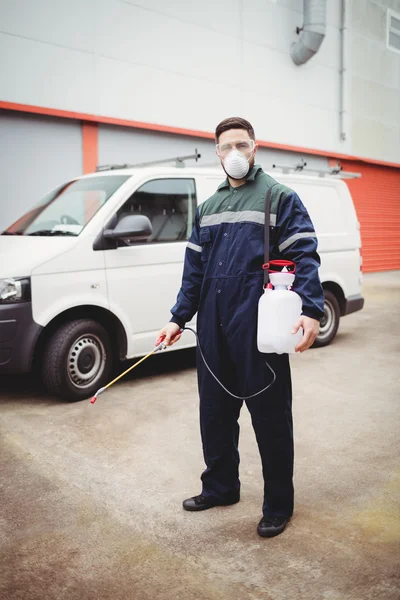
[{"x": 14, "y": 290}]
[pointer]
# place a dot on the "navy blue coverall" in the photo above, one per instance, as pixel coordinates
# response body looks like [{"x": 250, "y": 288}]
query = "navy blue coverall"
[{"x": 223, "y": 281}]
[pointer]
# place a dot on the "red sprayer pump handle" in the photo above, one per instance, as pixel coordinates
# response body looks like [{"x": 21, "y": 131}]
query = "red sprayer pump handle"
[{"x": 274, "y": 266}]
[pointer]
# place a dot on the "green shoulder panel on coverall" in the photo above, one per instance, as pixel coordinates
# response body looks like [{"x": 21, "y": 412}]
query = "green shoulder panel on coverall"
[{"x": 251, "y": 201}]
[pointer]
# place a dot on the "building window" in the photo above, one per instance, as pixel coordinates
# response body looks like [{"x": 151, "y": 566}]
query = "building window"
[{"x": 393, "y": 31}]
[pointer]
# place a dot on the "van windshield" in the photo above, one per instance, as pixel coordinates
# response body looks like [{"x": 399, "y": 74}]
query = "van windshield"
[{"x": 66, "y": 210}]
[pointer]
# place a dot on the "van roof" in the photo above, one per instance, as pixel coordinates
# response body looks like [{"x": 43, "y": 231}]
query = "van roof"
[{"x": 210, "y": 172}]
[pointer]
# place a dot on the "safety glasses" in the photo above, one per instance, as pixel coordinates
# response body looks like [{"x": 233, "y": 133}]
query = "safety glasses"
[{"x": 244, "y": 146}]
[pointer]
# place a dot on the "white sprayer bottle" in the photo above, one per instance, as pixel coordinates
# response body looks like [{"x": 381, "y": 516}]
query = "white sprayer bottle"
[{"x": 278, "y": 311}]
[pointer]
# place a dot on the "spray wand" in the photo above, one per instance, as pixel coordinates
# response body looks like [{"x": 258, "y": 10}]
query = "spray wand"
[{"x": 159, "y": 346}]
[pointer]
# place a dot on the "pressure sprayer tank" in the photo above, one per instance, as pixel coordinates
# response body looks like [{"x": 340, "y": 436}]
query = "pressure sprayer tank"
[{"x": 278, "y": 311}]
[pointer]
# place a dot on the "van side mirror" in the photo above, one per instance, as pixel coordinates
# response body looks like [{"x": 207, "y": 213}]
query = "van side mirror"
[{"x": 135, "y": 227}]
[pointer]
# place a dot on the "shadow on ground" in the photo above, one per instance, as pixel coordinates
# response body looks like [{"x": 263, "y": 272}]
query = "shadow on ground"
[{"x": 18, "y": 386}]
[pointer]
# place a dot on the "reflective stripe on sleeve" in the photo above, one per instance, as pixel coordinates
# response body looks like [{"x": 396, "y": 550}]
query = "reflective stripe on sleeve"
[
  {"x": 295, "y": 237},
  {"x": 194, "y": 247}
]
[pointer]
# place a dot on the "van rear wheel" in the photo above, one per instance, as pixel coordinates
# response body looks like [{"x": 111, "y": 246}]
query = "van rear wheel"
[
  {"x": 77, "y": 360},
  {"x": 330, "y": 321}
]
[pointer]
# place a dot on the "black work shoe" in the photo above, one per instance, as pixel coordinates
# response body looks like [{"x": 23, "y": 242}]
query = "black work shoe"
[
  {"x": 202, "y": 503},
  {"x": 271, "y": 526}
]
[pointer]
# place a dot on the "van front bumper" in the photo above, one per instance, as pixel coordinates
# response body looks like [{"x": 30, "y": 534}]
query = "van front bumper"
[
  {"x": 353, "y": 303},
  {"x": 18, "y": 336}
]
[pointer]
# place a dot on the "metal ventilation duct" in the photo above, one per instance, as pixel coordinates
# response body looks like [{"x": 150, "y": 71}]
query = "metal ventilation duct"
[{"x": 312, "y": 33}]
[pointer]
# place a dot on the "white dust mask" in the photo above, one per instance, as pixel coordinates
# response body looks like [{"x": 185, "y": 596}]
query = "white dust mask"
[{"x": 236, "y": 164}]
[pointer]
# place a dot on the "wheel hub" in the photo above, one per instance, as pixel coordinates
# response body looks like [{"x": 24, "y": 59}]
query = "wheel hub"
[
  {"x": 327, "y": 320},
  {"x": 86, "y": 360}
]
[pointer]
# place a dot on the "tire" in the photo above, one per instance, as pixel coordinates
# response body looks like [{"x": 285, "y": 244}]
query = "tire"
[
  {"x": 77, "y": 360},
  {"x": 329, "y": 322}
]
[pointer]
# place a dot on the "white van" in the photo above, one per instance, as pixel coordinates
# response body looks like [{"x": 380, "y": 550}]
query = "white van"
[{"x": 90, "y": 274}]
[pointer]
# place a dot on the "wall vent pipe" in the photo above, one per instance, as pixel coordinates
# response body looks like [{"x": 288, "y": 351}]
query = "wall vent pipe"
[{"x": 312, "y": 33}]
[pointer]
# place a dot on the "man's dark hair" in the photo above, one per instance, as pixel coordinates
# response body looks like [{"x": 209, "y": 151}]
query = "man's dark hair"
[{"x": 234, "y": 123}]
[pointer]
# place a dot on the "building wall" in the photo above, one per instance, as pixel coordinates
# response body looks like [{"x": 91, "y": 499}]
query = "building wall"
[
  {"x": 375, "y": 89},
  {"x": 184, "y": 64}
]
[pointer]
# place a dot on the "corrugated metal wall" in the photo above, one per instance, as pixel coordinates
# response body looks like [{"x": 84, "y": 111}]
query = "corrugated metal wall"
[
  {"x": 36, "y": 154},
  {"x": 377, "y": 200}
]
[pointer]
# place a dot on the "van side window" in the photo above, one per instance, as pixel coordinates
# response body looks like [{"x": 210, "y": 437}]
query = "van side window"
[{"x": 170, "y": 204}]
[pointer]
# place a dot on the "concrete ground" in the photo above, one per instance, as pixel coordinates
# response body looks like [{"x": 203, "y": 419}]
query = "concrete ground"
[{"x": 91, "y": 494}]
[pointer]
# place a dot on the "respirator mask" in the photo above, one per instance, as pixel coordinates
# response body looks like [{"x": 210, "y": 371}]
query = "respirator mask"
[{"x": 235, "y": 157}]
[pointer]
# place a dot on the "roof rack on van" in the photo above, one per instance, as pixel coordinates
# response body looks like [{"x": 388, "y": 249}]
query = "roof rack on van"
[
  {"x": 179, "y": 162},
  {"x": 337, "y": 170}
]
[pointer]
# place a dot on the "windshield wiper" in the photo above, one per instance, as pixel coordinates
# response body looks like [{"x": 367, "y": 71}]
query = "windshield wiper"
[
  {"x": 51, "y": 232},
  {"x": 12, "y": 233}
]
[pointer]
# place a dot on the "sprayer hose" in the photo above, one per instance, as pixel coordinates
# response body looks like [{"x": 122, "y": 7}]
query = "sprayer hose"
[{"x": 218, "y": 381}]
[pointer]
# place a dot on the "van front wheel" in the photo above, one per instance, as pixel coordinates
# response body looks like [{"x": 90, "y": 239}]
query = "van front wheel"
[
  {"x": 330, "y": 321},
  {"x": 77, "y": 360}
]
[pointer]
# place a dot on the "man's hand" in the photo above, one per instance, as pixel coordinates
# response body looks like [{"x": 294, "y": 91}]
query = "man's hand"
[
  {"x": 310, "y": 328},
  {"x": 172, "y": 333}
]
